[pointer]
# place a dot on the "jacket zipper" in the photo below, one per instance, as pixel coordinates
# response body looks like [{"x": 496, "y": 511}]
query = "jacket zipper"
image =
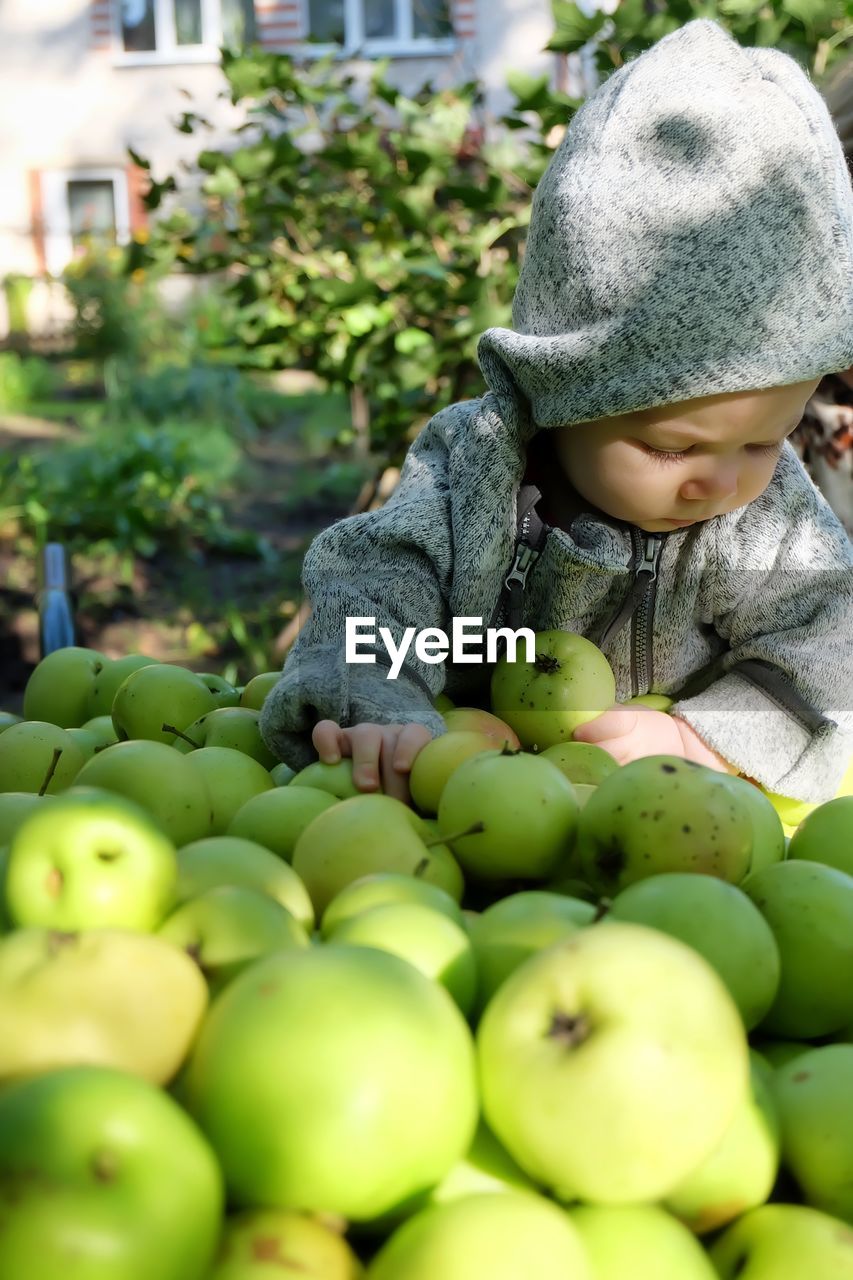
[
  {"x": 642, "y": 672},
  {"x": 645, "y": 562}
]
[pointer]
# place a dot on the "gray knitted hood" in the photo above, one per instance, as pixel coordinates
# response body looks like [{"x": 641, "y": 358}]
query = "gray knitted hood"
[{"x": 692, "y": 235}]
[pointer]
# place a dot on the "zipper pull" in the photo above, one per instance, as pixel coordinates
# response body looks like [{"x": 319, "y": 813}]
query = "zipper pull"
[
  {"x": 649, "y": 562},
  {"x": 525, "y": 558}
]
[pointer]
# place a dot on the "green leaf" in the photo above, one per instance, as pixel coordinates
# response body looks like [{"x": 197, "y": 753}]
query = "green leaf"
[
  {"x": 573, "y": 28},
  {"x": 409, "y": 340}
]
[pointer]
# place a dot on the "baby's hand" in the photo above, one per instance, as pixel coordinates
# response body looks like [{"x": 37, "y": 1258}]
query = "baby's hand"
[
  {"x": 378, "y": 750},
  {"x": 629, "y": 733}
]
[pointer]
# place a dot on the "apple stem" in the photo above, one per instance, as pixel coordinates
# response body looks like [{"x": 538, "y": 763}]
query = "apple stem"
[
  {"x": 603, "y": 908},
  {"x": 474, "y": 830},
  {"x": 57, "y": 752},
  {"x": 170, "y": 728}
]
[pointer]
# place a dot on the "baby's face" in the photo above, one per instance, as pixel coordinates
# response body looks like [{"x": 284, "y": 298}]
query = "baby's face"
[{"x": 679, "y": 463}]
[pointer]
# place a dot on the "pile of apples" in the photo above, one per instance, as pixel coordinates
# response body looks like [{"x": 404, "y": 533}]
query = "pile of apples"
[{"x": 556, "y": 1019}]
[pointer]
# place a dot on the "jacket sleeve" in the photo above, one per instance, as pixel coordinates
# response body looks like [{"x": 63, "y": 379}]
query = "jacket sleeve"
[
  {"x": 393, "y": 565},
  {"x": 782, "y": 712}
]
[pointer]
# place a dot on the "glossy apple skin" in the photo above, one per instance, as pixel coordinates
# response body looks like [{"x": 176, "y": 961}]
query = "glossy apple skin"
[
  {"x": 303, "y": 1109},
  {"x": 108, "y": 996},
  {"x": 502, "y": 1237},
  {"x": 103, "y": 1175},
  {"x": 809, "y": 908},
  {"x": 569, "y": 682},
  {"x": 617, "y": 1020},
  {"x": 90, "y": 861},
  {"x": 784, "y": 1242},
  {"x": 160, "y": 780}
]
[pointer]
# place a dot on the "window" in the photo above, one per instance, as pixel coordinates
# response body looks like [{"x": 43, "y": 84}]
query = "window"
[
  {"x": 80, "y": 206},
  {"x": 380, "y": 26},
  {"x": 182, "y": 30}
]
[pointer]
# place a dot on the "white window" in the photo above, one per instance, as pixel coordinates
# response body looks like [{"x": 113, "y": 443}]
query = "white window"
[
  {"x": 79, "y": 206},
  {"x": 379, "y": 27},
  {"x": 175, "y": 31}
]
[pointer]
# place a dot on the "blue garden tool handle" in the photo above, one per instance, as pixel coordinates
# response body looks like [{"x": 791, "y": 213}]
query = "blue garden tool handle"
[{"x": 56, "y": 618}]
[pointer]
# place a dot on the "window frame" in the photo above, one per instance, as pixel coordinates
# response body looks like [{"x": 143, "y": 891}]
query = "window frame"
[
  {"x": 56, "y": 211},
  {"x": 404, "y": 45},
  {"x": 169, "y": 53}
]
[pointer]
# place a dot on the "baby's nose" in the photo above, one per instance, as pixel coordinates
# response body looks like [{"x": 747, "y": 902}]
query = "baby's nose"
[{"x": 717, "y": 484}]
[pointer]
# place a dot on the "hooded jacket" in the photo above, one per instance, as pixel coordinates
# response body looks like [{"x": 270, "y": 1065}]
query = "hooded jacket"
[{"x": 692, "y": 235}]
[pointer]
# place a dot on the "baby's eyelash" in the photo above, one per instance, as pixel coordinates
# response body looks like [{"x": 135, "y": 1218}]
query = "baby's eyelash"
[{"x": 663, "y": 456}]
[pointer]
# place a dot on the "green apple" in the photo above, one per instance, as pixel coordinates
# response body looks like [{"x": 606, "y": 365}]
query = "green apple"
[
  {"x": 103, "y": 729},
  {"x": 612, "y": 1064},
  {"x": 277, "y": 818},
  {"x": 657, "y": 701},
  {"x": 255, "y": 692},
  {"x": 107, "y": 680},
  {"x": 383, "y": 887},
  {"x": 826, "y": 835},
  {"x": 815, "y": 1098},
  {"x": 486, "y": 1166},
  {"x": 38, "y": 756},
  {"x": 442, "y": 703},
  {"x": 334, "y": 779},
  {"x": 90, "y": 861},
  {"x": 231, "y": 778},
  {"x": 581, "y": 761},
  {"x": 160, "y": 781},
  {"x": 436, "y": 761},
  {"x": 526, "y": 810},
  {"x": 779, "y": 1052},
  {"x": 768, "y": 834},
  {"x": 784, "y": 1242},
  {"x": 109, "y": 996},
  {"x": 103, "y": 1175},
  {"x": 501, "y": 1237},
  {"x": 477, "y": 720},
  {"x": 226, "y": 928},
  {"x": 234, "y": 727},
  {"x": 5, "y": 922},
  {"x": 642, "y": 1242},
  {"x": 741, "y": 1173},
  {"x": 59, "y": 687},
  {"x": 86, "y": 741},
  {"x": 338, "y": 1125},
  {"x": 809, "y": 907},
  {"x": 662, "y": 813},
  {"x": 225, "y": 693},
  {"x": 280, "y": 1244},
  {"x": 216, "y": 860},
  {"x": 7, "y": 719},
  {"x": 720, "y": 922},
  {"x": 515, "y": 928},
  {"x": 158, "y": 695},
  {"x": 355, "y": 837},
  {"x": 282, "y": 774},
  {"x": 432, "y": 942},
  {"x": 15, "y": 807},
  {"x": 568, "y": 683}
]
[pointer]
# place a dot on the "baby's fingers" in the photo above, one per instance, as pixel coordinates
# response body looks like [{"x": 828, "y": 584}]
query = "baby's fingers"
[{"x": 328, "y": 739}]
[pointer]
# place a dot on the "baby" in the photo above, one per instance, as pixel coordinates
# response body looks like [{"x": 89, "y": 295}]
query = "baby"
[{"x": 687, "y": 283}]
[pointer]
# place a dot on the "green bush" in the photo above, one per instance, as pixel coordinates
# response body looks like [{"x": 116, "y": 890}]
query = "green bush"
[
  {"x": 24, "y": 381},
  {"x": 142, "y": 489}
]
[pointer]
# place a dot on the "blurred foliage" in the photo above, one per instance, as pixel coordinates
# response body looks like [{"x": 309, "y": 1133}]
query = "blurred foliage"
[
  {"x": 24, "y": 380},
  {"x": 145, "y": 490}
]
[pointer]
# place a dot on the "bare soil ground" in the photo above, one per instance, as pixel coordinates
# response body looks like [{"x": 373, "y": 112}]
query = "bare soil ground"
[{"x": 206, "y": 613}]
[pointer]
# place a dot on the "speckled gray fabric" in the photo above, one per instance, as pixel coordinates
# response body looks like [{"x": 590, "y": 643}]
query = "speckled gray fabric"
[{"x": 693, "y": 235}]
